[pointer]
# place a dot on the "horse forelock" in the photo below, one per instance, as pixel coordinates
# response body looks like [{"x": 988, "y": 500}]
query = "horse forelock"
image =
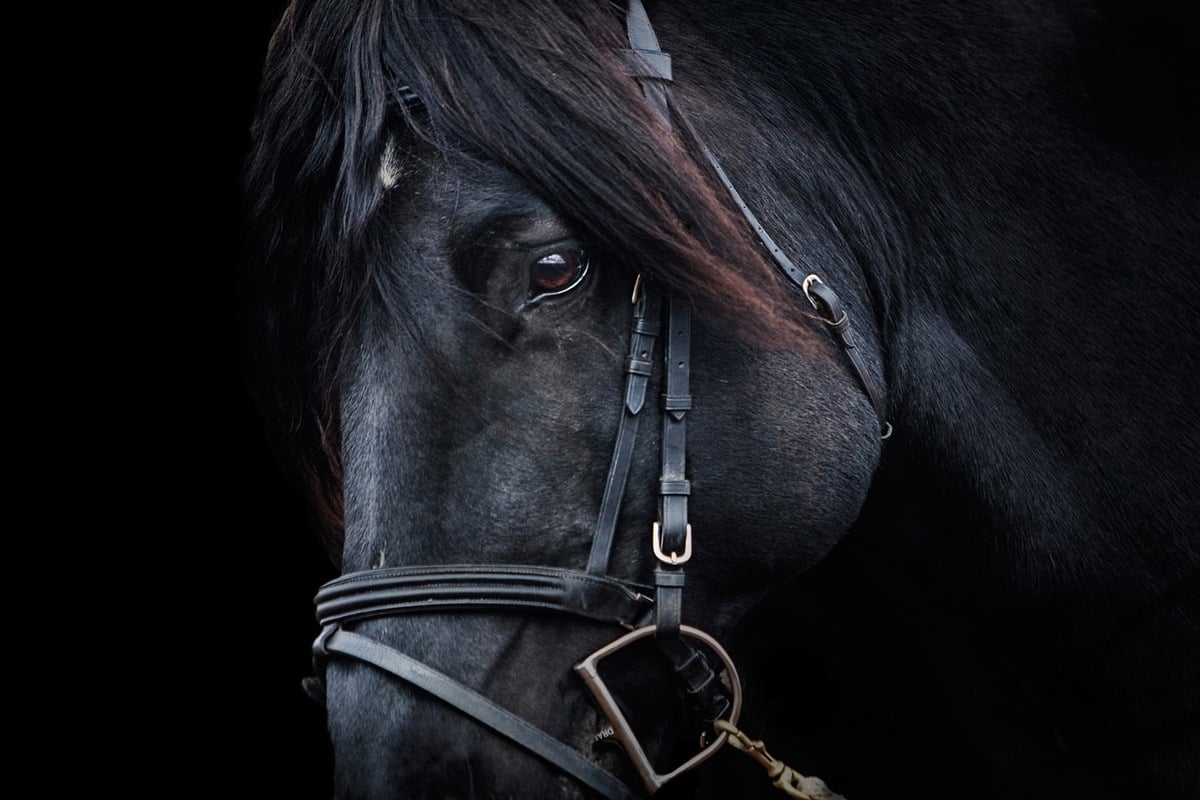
[
  {"x": 543, "y": 93},
  {"x": 546, "y": 95}
]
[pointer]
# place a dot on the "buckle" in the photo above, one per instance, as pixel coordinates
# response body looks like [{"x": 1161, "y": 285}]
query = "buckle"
[{"x": 674, "y": 559}]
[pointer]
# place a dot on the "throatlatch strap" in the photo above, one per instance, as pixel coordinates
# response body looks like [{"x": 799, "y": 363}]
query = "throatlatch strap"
[
  {"x": 826, "y": 301},
  {"x": 652, "y": 69},
  {"x": 473, "y": 704},
  {"x": 840, "y": 322},
  {"x": 639, "y": 365}
]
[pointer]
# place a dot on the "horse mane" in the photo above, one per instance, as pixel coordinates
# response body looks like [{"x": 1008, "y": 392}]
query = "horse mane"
[{"x": 545, "y": 95}]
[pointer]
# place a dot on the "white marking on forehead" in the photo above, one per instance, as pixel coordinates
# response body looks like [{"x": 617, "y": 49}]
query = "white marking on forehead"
[{"x": 389, "y": 167}]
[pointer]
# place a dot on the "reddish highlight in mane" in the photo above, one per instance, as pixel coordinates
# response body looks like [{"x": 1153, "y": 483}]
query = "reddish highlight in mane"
[{"x": 545, "y": 96}]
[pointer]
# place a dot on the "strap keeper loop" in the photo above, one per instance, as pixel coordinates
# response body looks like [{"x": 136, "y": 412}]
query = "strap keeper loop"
[
  {"x": 674, "y": 488},
  {"x": 638, "y": 366},
  {"x": 646, "y": 327},
  {"x": 643, "y": 64},
  {"x": 677, "y": 402},
  {"x": 669, "y": 579}
]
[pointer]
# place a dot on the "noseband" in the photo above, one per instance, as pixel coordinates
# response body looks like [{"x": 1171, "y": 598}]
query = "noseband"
[{"x": 644, "y": 610}]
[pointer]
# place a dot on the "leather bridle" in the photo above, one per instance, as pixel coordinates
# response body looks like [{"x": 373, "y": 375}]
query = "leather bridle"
[{"x": 645, "y": 610}]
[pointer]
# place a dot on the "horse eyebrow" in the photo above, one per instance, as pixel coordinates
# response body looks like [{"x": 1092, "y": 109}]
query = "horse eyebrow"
[{"x": 535, "y": 225}]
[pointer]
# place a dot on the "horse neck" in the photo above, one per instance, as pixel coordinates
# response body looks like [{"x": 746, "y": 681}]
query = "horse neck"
[{"x": 1023, "y": 273}]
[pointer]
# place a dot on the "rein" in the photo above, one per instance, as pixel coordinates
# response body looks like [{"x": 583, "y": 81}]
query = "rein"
[{"x": 645, "y": 610}]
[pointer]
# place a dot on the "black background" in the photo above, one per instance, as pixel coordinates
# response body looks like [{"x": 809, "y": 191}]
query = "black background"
[{"x": 266, "y": 561}]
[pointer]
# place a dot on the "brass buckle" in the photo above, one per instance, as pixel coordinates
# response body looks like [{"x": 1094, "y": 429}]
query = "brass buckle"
[
  {"x": 588, "y": 669},
  {"x": 674, "y": 559}
]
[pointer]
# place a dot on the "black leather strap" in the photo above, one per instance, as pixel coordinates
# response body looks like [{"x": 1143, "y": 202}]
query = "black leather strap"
[
  {"x": 473, "y": 704},
  {"x": 409, "y": 99},
  {"x": 651, "y": 66},
  {"x": 429, "y": 589},
  {"x": 703, "y": 687},
  {"x": 674, "y": 488},
  {"x": 639, "y": 365},
  {"x": 780, "y": 257},
  {"x": 652, "y": 70},
  {"x": 800, "y": 278},
  {"x": 648, "y": 64},
  {"x": 830, "y": 307},
  {"x": 673, "y": 532}
]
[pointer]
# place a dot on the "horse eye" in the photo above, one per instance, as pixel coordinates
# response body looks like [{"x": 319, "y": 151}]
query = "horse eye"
[{"x": 557, "y": 273}]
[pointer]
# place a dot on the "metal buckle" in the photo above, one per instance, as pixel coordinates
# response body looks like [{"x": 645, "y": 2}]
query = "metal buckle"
[
  {"x": 621, "y": 730},
  {"x": 808, "y": 292},
  {"x": 807, "y": 287},
  {"x": 674, "y": 559}
]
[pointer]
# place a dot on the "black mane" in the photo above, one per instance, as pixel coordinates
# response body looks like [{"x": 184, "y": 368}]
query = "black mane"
[{"x": 519, "y": 87}]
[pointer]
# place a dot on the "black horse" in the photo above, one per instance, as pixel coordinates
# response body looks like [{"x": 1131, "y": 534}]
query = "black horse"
[{"x": 451, "y": 206}]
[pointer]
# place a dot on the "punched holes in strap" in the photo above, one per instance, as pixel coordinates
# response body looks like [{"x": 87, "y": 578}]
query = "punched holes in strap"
[
  {"x": 639, "y": 365},
  {"x": 672, "y": 535}
]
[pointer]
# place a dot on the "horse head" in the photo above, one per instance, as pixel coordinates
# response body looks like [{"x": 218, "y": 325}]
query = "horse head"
[{"x": 524, "y": 254}]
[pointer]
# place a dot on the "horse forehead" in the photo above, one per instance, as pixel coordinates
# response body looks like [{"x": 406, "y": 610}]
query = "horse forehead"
[{"x": 416, "y": 170}]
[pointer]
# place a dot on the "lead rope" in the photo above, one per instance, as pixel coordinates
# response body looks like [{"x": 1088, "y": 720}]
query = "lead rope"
[{"x": 783, "y": 777}]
